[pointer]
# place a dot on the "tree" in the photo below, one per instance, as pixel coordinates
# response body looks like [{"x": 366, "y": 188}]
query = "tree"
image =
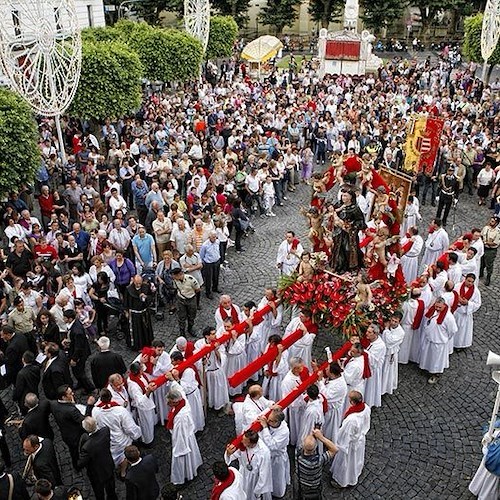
[
  {"x": 325, "y": 11},
  {"x": 100, "y": 34},
  {"x": 168, "y": 55},
  {"x": 110, "y": 83},
  {"x": 280, "y": 14},
  {"x": 20, "y": 158},
  {"x": 150, "y": 10},
  {"x": 223, "y": 34},
  {"x": 237, "y": 9},
  {"x": 472, "y": 43},
  {"x": 378, "y": 14}
]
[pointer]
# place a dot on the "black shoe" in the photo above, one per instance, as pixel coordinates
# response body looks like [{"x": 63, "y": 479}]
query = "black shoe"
[
  {"x": 433, "y": 204},
  {"x": 487, "y": 281},
  {"x": 423, "y": 203},
  {"x": 209, "y": 296},
  {"x": 240, "y": 250},
  {"x": 217, "y": 291}
]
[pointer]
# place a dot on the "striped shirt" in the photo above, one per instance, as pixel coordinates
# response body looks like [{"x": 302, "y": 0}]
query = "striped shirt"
[{"x": 309, "y": 471}]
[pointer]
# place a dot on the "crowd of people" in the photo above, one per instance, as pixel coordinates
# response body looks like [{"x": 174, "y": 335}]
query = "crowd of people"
[{"x": 141, "y": 223}]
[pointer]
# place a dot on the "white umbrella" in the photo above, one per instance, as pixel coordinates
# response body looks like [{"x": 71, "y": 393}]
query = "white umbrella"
[{"x": 261, "y": 49}]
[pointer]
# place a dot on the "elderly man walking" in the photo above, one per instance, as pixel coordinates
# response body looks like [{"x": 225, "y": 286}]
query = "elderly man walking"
[{"x": 210, "y": 257}]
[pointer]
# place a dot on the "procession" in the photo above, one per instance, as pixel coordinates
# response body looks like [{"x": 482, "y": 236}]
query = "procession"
[{"x": 259, "y": 286}]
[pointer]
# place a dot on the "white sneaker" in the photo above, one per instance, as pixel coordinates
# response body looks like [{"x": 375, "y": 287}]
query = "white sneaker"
[{"x": 272, "y": 214}]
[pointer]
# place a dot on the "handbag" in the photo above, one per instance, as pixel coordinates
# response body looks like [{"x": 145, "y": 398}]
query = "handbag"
[
  {"x": 244, "y": 224},
  {"x": 492, "y": 458}
]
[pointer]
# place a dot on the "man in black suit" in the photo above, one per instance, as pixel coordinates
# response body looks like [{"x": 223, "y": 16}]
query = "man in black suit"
[
  {"x": 79, "y": 350},
  {"x": 105, "y": 363},
  {"x": 95, "y": 455},
  {"x": 36, "y": 421},
  {"x": 17, "y": 345},
  {"x": 19, "y": 491},
  {"x": 140, "y": 481},
  {"x": 42, "y": 460},
  {"x": 27, "y": 381},
  {"x": 69, "y": 419},
  {"x": 45, "y": 491},
  {"x": 55, "y": 371},
  {"x": 4, "y": 447}
]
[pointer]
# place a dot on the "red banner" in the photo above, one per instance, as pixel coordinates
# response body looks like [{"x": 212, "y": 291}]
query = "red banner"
[
  {"x": 340, "y": 49},
  {"x": 428, "y": 145}
]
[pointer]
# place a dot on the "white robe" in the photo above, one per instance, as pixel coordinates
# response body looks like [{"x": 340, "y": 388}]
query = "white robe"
[
  {"x": 410, "y": 347},
  {"x": 145, "y": 407},
  {"x": 464, "y": 316},
  {"x": 353, "y": 375},
  {"x": 312, "y": 418},
  {"x": 349, "y": 461},
  {"x": 191, "y": 388},
  {"x": 409, "y": 261},
  {"x": 393, "y": 338},
  {"x": 484, "y": 484},
  {"x": 163, "y": 365},
  {"x": 479, "y": 246},
  {"x": 455, "y": 273},
  {"x": 252, "y": 408},
  {"x": 122, "y": 429},
  {"x": 122, "y": 397},
  {"x": 437, "y": 284},
  {"x": 254, "y": 343},
  {"x": 219, "y": 322},
  {"x": 270, "y": 325},
  {"x": 217, "y": 387},
  {"x": 373, "y": 389},
  {"x": 272, "y": 385},
  {"x": 288, "y": 261},
  {"x": 435, "y": 245},
  {"x": 335, "y": 392},
  {"x": 295, "y": 410},
  {"x": 277, "y": 439},
  {"x": 469, "y": 266},
  {"x": 235, "y": 491},
  {"x": 186, "y": 457},
  {"x": 302, "y": 348},
  {"x": 236, "y": 360},
  {"x": 258, "y": 480},
  {"x": 411, "y": 217},
  {"x": 426, "y": 296},
  {"x": 435, "y": 339}
]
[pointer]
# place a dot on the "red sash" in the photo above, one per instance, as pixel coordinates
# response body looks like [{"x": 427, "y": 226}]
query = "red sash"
[
  {"x": 148, "y": 351},
  {"x": 417, "y": 320},
  {"x": 295, "y": 244},
  {"x": 407, "y": 247},
  {"x": 367, "y": 373},
  {"x": 466, "y": 294},
  {"x": 304, "y": 374},
  {"x": 454, "y": 305},
  {"x": 173, "y": 413},
  {"x": 234, "y": 314},
  {"x": 441, "y": 316},
  {"x": 221, "y": 486},
  {"x": 357, "y": 408},
  {"x": 107, "y": 406},
  {"x": 311, "y": 326},
  {"x": 138, "y": 380}
]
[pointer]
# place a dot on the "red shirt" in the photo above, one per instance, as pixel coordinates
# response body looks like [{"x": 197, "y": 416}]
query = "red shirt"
[
  {"x": 47, "y": 252},
  {"x": 46, "y": 204},
  {"x": 77, "y": 144}
]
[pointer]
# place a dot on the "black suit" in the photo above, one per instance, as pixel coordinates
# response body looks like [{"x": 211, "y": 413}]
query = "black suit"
[
  {"x": 14, "y": 351},
  {"x": 78, "y": 352},
  {"x": 141, "y": 480},
  {"x": 69, "y": 419},
  {"x": 37, "y": 422},
  {"x": 20, "y": 492},
  {"x": 55, "y": 375},
  {"x": 28, "y": 380},
  {"x": 95, "y": 455},
  {"x": 4, "y": 448},
  {"x": 104, "y": 364},
  {"x": 45, "y": 464}
]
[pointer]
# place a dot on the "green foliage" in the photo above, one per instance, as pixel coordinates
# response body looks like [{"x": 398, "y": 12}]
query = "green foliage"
[
  {"x": 472, "y": 41},
  {"x": 100, "y": 34},
  {"x": 326, "y": 11},
  {"x": 237, "y": 9},
  {"x": 223, "y": 34},
  {"x": 110, "y": 83},
  {"x": 168, "y": 55},
  {"x": 20, "y": 158},
  {"x": 378, "y": 14},
  {"x": 150, "y": 10},
  {"x": 280, "y": 14}
]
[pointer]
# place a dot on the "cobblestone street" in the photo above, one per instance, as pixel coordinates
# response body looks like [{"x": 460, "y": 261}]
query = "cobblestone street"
[{"x": 424, "y": 442}]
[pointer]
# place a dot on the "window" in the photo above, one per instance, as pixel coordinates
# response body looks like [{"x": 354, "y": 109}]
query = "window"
[
  {"x": 90, "y": 16},
  {"x": 16, "y": 22}
]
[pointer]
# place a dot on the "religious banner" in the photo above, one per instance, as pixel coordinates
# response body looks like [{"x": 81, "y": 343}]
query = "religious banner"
[
  {"x": 399, "y": 187},
  {"x": 422, "y": 142}
]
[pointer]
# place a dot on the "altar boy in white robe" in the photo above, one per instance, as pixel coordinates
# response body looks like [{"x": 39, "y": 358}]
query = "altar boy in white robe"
[
  {"x": 161, "y": 366},
  {"x": 438, "y": 329},
  {"x": 190, "y": 383},
  {"x": 255, "y": 465},
  {"x": 275, "y": 371},
  {"x": 302, "y": 348},
  {"x": 254, "y": 335},
  {"x": 272, "y": 320},
  {"x": 413, "y": 313},
  {"x": 334, "y": 388},
  {"x": 349, "y": 461},
  {"x": 393, "y": 336},
  {"x": 217, "y": 389},
  {"x": 469, "y": 301},
  {"x": 228, "y": 483},
  {"x": 186, "y": 457},
  {"x": 276, "y": 436},
  {"x": 141, "y": 390},
  {"x": 436, "y": 244},
  {"x": 411, "y": 246},
  {"x": 376, "y": 354},
  {"x": 254, "y": 404},
  {"x": 295, "y": 410},
  {"x": 314, "y": 415}
]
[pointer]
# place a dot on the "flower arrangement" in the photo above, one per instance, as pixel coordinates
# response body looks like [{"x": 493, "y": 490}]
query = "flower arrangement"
[{"x": 332, "y": 300}]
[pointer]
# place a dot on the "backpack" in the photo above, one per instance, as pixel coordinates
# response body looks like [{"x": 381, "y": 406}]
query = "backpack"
[{"x": 239, "y": 179}]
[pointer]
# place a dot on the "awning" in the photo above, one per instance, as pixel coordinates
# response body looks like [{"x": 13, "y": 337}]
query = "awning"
[{"x": 262, "y": 49}]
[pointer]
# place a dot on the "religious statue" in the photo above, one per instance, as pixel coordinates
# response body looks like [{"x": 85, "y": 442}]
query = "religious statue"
[{"x": 351, "y": 15}]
